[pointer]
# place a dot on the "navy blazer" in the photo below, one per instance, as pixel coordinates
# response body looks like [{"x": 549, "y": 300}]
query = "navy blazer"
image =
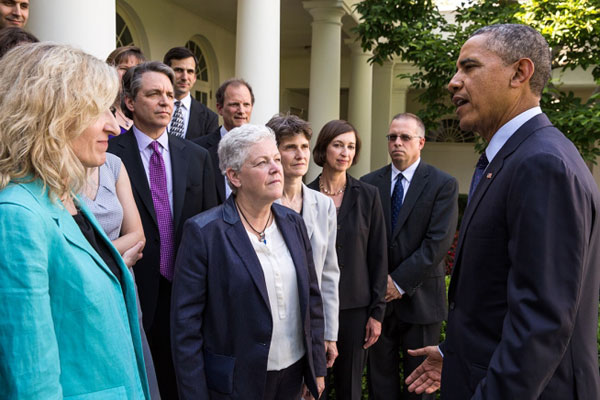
[
  {"x": 202, "y": 120},
  {"x": 523, "y": 301},
  {"x": 220, "y": 315},
  {"x": 423, "y": 234},
  {"x": 192, "y": 193}
]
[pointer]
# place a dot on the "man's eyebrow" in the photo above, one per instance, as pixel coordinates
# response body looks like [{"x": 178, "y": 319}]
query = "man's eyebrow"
[{"x": 467, "y": 60}]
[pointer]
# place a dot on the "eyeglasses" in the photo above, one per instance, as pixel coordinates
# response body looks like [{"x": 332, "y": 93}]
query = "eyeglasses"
[{"x": 392, "y": 137}]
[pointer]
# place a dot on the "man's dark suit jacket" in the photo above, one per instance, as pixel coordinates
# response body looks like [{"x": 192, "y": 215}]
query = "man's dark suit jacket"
[
  {"x": 192, "y": 193},
  {"x": 211, "y": 143},
  {"x": 524, "y": 291},
  {"x": 417, "y": 246},
  {"x": 361, "y": 248},
  {"x": 221, "y": 319},
  {"x": 202, "y": 120}
]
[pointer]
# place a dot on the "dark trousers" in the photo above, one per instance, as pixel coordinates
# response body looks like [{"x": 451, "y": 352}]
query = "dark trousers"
[
  {"x": 285, "y": 384},
  {"x": 159, "y": 339},
  {"x": 388, "y": 355},
  {"x": 350, "y": 363}
]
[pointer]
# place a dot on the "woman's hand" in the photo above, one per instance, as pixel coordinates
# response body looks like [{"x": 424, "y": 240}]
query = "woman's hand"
[
  {"x": 372, "y": 332},
  {"x": 132, "y": 255}
]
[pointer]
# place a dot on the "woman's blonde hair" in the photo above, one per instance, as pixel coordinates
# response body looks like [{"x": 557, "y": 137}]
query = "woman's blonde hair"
[{"x": 49, "y": 94}]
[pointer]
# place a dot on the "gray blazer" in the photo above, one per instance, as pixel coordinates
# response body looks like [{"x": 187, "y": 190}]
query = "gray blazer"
[{"x": 318, "y": 212}]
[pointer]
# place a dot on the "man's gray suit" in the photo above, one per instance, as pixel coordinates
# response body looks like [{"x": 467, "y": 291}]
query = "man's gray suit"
[{"x": 416, "y": 250}]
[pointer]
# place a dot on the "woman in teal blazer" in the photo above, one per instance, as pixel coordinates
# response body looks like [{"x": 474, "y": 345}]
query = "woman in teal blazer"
[{"x": 68, "y": 320}]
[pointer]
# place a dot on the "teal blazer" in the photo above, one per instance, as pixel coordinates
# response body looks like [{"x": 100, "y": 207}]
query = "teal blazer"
[{"x": 67, "y": 328}]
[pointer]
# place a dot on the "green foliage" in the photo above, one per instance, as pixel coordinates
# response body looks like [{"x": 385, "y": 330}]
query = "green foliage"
[{"x": 416, "y": 32}]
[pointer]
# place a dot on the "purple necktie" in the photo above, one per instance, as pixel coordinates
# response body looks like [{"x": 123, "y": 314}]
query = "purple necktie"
[{"x": 160, "y": 198}]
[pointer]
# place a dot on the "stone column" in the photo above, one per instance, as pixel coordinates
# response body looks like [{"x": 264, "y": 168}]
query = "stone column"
[
  {"x": 257, "y": 54},
  {"x": 87, "y": 24},
  {"x": 360, "y": 103},
  {"x": 383, "y": 78},
  {"x": 325, "y": 60}
]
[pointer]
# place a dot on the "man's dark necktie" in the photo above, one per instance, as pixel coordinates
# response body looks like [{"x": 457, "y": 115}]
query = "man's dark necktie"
[
  {"x": 177, "y": 122},
  {"x": 397, "y": 196},
  {"x": 482, "y": 164}
]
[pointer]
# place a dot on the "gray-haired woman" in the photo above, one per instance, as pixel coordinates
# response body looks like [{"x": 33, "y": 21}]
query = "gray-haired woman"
[{"x": 247, "y": 313}]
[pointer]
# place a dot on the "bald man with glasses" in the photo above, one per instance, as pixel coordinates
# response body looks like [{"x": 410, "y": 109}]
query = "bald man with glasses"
[{"x": 421, "y": 211}]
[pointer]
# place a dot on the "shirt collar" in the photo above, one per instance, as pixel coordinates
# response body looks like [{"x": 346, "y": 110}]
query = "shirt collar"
[
  {"x": 507, "y": 130},
  {"x": 186, "y": 102},
  {"x": 144, "y": 140},
  {"x": 223, "y": 131},
  {"x": 408, "y": 173}
]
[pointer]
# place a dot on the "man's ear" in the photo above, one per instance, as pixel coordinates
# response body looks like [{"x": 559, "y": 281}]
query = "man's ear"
[
  {"x": 523, "y": 71},
  {"x": 129, "y": 103}
]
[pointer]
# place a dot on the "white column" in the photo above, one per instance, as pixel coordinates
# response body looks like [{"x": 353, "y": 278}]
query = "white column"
[
  {"x": 257, "y": 54},
  {"x": 359, "y": 104},
  {"x": 325, "y": 61},
  {"x": 383, "y": 79},
  {"x": 86, "y": 24}
]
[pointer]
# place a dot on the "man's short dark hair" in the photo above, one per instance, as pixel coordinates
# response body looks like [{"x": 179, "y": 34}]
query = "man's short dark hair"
[
  {"x": 179, "y": 53},
  {"x": 289, "y": 125},
  {"x": 132, "y": 81},
  {"x": 512, "y": 42},
  {"x": 220, "y": 95},
  {"x": 13, "y": 36},
  {"x": 329, "y": 131}
]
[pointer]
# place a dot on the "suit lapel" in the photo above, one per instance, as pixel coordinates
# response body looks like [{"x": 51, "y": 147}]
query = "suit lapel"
[
  {"x": 290, "y": 235},
  {"x": 383, "y": 183},
  {"x": 309, "y": 210},
  {"x": 193, "y": 128},
  {"x": 213, "y": 147},
  {"x": 491, "y": 173},
  {"x": 179, "y": 172},
  {"x": 417, "y": 184},
  {"x": 241, "y": 243},
  {"x": 350, "y": 196},
  {"x": 137, "y": 174}
]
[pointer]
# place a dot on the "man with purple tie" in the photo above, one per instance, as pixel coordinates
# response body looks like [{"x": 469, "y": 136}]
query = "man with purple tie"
[{"x": 172, "y": 180}]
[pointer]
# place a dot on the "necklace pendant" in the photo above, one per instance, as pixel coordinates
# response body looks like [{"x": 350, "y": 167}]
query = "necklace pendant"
[{"x": 262, "y": 237}]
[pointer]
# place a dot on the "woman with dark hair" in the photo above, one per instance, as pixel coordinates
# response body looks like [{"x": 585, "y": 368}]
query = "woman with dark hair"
[
  {"x": 13, "y": 36},
  {"x": 361, "y": 251}
]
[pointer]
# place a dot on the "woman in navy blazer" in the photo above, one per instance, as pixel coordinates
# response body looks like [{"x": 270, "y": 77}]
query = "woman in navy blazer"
[
  {"x": 68, "y": 319},
  {"x": 247, "y": 316},
  {"x": 361, "y": 249}
]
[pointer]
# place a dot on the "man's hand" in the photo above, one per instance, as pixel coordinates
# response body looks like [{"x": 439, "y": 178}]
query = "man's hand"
[
  {"x": 306, "y": 395},
  {"x": 132, "y": 255},
  {"x": 331, "y": 352},
  {"x": 426, "y": 378},
  {"x": 372, "y": 332},
  {"x": 391, "y": 292}
]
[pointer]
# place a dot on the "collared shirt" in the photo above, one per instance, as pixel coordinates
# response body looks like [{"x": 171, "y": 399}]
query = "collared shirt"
[
  {"x": 287, "y": 345},
  {"x": 407, "y": 176},
  {"x": 146, "y": 151},
  {"x": 507, "y": 130},
  {"x": 223, "y": 132},
  {"x": 186, "y": 103}
]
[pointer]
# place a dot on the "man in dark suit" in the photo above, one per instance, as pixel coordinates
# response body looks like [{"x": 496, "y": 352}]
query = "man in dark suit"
[
  {"x": 191, "y": 119},
  {"x": 524, "y": 293},
  {"x": 421, "y": 210},
  {"x": 172, "y": 180},
  {"x": 235, "y": 100}
]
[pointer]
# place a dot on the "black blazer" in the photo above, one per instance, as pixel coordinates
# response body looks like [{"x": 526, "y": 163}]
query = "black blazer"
[
  {"x": 202, "y": 120},
  {"x": 221, "y": 319},
  {"x": 211, "y": 143},
  {"x": 361, "y": 248},
  {"x": 192, "y": 193},
  {"x": 524, "y": 293},
  {"x": 418, "y": 245}
]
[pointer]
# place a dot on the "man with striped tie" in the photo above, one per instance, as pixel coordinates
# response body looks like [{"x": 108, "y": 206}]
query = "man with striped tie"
[{"x": 191, "y": 119}]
